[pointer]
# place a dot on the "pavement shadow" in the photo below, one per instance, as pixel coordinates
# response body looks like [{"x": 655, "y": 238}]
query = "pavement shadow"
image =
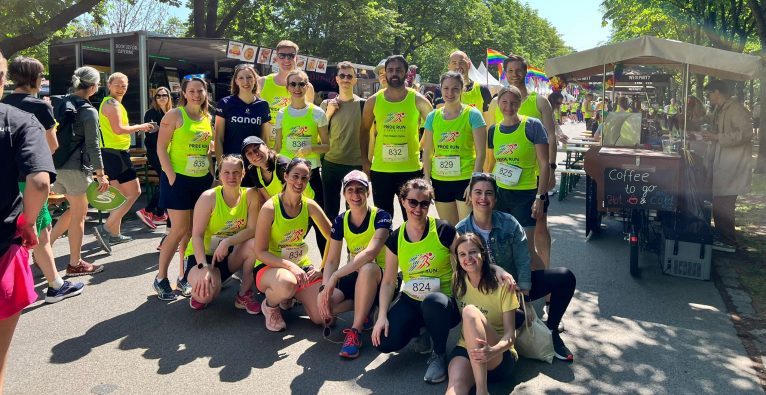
[{"x": 188, "y": 336}]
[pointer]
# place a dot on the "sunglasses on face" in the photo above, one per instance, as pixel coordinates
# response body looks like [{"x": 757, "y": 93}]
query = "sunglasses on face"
[
  {"x": 414, "y": 203},
  {"x": 346, "y": 76},
  {"x": 282, "y": 55},
  {"x": 301, "y": 84}
]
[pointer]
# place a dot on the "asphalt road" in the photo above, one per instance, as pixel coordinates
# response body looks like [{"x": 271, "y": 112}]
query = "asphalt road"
[{"x": 657, "y": 334}]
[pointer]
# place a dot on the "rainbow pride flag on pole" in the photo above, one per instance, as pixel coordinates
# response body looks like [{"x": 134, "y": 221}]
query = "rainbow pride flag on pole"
[
  {"x": 494, "y": 57},
  {"x": 533, "y": 72}
]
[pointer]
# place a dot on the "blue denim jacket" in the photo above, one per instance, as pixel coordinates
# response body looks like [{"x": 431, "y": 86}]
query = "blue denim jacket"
[{"x": 507, "y": 246}]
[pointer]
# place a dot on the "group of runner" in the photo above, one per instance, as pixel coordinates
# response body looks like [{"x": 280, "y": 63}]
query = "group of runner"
[{"x": 270, "y": 142}]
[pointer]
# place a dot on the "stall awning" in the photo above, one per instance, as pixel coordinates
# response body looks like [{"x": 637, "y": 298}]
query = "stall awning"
[{"x": 648, "y": 50}]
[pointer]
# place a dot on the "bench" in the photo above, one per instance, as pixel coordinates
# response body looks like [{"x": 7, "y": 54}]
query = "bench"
[{"x": 569, "y": 179}]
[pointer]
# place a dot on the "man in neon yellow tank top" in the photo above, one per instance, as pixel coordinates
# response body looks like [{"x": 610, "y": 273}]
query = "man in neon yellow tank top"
[
  {"x": 475, "y": 94},
  {"x": 536, "y": 106},
  {"x": 397, "y": 112},
  {"x": 115, "y": 143},
  {"x": 274, "y": 86}
]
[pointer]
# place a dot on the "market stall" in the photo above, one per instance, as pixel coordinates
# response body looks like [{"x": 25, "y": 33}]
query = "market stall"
[{"x": 657, "y": 191}]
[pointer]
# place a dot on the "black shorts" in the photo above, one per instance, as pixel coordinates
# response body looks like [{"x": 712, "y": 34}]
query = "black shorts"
[
  {"x": 117, "y": 165},
  {"x": 222, "y": 266},
  {"x": 519, "y": 204},
  {"x": 347, "y": 285},
  {"x": 500, "y": 372},
  {"x": 184, "y": 193},
  {"x": 449, "y": 191}
]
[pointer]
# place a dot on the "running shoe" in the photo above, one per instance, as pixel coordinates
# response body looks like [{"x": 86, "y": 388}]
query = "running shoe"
[
  {"x": 437, "y": 369},
  {"x": 351, "y": 345},
  {"x": 184, "y": 287},
  {"x": 196, "y": 305},
  {"x": 560, "y": 350},
  {"x": 161, "y": 219},
  {"x": 147, "y": 218},
  {"x": 83, "y": 269},
  {"x": 164, "y": 291},
  {"x": 724, "y": 247},
  {"x": 274, "y": 320},
  {"x": 119, "y": 239},
  {"x": 67, "y": 290},
  {"x": 102, "y": 235},
  {"x": 248, "y": 303},
  {"x": 422, "y": 344}
]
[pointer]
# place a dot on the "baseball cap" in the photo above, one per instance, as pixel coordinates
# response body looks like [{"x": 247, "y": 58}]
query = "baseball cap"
[{"x": 358, "y": 176}]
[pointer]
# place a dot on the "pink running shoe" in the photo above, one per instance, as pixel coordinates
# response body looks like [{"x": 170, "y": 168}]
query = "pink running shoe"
[
  {"x": 274, "y": 320},
  {"x": 147, "y": 218},
  {"x": 196, "y": 305},
  {"x": 248, "y": 303}
]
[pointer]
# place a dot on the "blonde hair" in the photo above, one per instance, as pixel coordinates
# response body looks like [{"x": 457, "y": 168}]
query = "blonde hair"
[
  {"x": 299, "y": 73},
  {"x": 287, "y": 44},
  {"x": 156, "y": 105},
  {"x": 116, "y": 75}
]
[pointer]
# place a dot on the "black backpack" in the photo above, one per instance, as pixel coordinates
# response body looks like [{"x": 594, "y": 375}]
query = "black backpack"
[{"x": 65, "y": 108}]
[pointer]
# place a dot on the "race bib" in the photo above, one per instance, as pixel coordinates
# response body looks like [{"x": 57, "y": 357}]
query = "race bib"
[
  {"x": 197, "y": 165},
  {"x": 294, "y": 254},
  {"x": 294, "y": 143},
  {"x": 214, "y": 242},
  {"x": 447, "y": 165},
  {"x": 419, "y": 288},
  {"x": 507, "y": 174},
  {"x": 395, "y": 153}
]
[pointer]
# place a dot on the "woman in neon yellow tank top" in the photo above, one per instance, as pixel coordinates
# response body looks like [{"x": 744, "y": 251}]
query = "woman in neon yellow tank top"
[
  {"x": 365, "y": 230},
  {"x": 284, "y": 269},
  {"x": 115, "y": 142},
  {"x": 421, "y": 249},
  {"x": 183, "y": 147},
  {"x": 222, "y": 238},
  {"x": 455, "y": 145},
  {"x": 301, "y": 130}
]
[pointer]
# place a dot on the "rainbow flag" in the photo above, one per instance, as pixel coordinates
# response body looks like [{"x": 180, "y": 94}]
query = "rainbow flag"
[
  {"x": 533, "y": 72},
  {"x": 494, "y": 57}
]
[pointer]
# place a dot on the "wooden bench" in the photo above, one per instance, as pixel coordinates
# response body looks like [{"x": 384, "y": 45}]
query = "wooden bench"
[{"x": 569, "y": 178}]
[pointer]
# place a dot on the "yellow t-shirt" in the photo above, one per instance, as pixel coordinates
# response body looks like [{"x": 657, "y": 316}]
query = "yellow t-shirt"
[{"x": 493, "y": 305}]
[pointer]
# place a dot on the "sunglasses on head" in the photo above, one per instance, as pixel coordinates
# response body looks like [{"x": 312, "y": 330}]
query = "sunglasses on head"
[
  {"x": 161, "y": 95},
  {"x": 193, "y": 76},
  {"x": 481, "y": 175},
  {"x": 301, "y": 84},
  {"x": 283, "y": 55},
  {"x": 414, "y": 203},
  {"x": 346, "y": 76}
]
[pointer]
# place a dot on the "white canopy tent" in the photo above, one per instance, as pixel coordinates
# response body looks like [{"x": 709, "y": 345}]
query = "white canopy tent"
[
  {"x": 483, "y": 77},
  {"x": 649, "y": 50}
]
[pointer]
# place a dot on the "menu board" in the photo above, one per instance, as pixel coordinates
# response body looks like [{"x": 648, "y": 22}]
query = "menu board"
[
  {"x": 264, "y": 56},
  {"x": 234, "y": 50},
  {"x": 321, "y": 66},
  {"x": 248, "y": 54},
  {"x": 301, "y": 62},
  {"x": 638, "y": 188}
]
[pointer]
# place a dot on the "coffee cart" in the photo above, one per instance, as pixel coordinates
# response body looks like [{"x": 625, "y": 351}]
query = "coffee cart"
[{"x": 653, "y": 191}]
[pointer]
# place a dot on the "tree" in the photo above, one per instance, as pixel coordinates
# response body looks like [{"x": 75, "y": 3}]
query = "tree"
[
  {"x": 122, "y": 16},
  {"x": 214, "y": 18},
  {"x": 26, "y": 26}
]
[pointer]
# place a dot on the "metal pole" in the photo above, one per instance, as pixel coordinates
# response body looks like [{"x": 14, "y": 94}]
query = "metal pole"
[
  {"x": 111, "y": 55},
  {"x": 142, "y": 76},
  {"x": 686, "y": 95}
]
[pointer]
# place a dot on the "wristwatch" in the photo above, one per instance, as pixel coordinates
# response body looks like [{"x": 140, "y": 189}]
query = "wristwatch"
[
  {"x": 553, "y": 166},
  {"x": 202, "y": 265},
  {"x": 543, "y": 197}
]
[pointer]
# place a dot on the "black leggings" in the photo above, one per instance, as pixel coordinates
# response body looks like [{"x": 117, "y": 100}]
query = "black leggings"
[
  {"x": 560, "y": 282},
  {"x": 437, "y": 312},
  {"x": 385, "y": 186},
  {"x": 316, "y": 184}
]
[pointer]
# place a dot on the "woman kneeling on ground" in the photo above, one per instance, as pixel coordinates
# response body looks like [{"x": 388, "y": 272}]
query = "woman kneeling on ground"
[
  {"x": 365, "y": 229},
  {"x": 222, "y": 238},
  {"x": 508, "y": 247},
  {"x": 488, "y": 310},
  {"x": 283, "y": 270}
]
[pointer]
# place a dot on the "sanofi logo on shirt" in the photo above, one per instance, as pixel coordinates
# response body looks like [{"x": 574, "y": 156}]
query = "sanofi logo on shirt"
[{"x": 247, "y": 120}]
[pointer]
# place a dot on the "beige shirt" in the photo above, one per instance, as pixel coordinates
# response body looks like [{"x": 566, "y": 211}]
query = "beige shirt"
[
  {"x": 733, "y": 159},
  {"x": 344, "y": 133}
]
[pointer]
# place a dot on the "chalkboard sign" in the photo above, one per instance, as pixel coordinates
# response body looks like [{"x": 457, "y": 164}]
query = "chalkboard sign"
[{"x": 638, "y": 188}]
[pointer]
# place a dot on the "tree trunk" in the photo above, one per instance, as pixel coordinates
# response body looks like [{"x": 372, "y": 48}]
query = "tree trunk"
[
  {"x": 198, "y": 11},
  {"x": 226, "y": 20},
  {"x": 760, "y": 167},
  {"x": 45, "y": 29},
  {"x": 211, "y": 18}
]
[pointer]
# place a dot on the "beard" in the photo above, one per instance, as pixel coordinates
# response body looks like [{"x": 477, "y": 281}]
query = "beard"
[{"x": 398, "y": 83}]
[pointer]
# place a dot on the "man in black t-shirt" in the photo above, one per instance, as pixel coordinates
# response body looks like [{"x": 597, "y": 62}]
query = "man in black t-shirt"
[{"x": 23, "y": 156}]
